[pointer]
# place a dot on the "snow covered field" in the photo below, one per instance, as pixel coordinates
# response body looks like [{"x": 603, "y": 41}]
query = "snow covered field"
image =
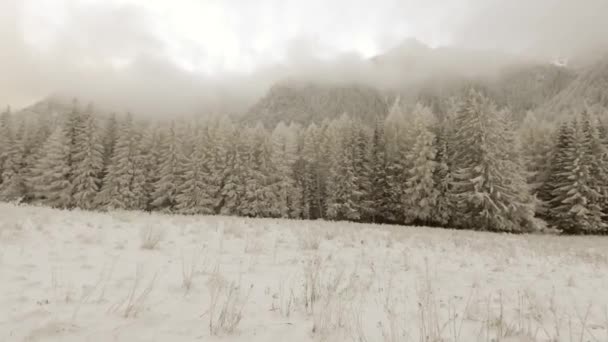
[{"x": 125, "y": 276}]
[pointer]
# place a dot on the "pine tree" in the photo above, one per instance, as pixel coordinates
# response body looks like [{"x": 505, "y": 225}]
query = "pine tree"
[
  {"x": 123, "y": 186},
  {"x": 487, "y": 186},
  {"x": 442, "y": 178},
  {"x": 223, "y": 143},
  {"x": 150, "y": 149},
  {"x": 597, "y": 161},
  {"x": 342, "y": 191},
  {"x": 170, "y": 172},
  {"x": 359, "y": 145},
  {"x": 420, "y": 191},
  {"x": 196, "y": 191},
  {"x": 312, "y": 174},
  {"x": 379, "y": 176},
  {"x": 109, "y": 138},
  {"x": 576, "y": 203},
  {"x": 5, "y": 138},
  {"x": 284, "y": 156},
  {"x": 537, "y": 146},
  {"x": 602, "y": 135},
  {"x": 400, "y": 140},
  {"x": 72, "y": 125},
  {"x": 51, "y": 183},
  {"x": 88, "y": 163},
  {"x": 37, "y": 132},
  {"x": 13, "y": 183},
  {"x": 233, "y": 173},
  {"x": 260, "y": 197}
]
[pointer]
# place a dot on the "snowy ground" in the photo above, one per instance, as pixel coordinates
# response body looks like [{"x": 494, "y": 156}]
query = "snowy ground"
[{"x": 78, "y": 276}]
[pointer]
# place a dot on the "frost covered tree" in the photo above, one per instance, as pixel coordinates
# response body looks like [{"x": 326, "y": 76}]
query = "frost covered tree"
[
  {"x": 109, "y": 136},
  {"x": 284, "y": 144},
  {"x": 195, "y": 193},
  {"x": 234, "y": 179},
  {"x": 150, "y": 149},
  {"x": 170, "y": 171},
  {"x": 420, "y": 193},
  {"x": 261, "y": 194},
  {"x": 37, "y": 132},
  {"x": 442, "y": 211},
  {"x": 575, "y": 206},
  {"x": 123, "y": 186},
  {"x": 13, "y": 185},
  {"x": 313, "y": 176},
  {"x": 488, "y": 185},
  {"x": 5, "y": 138},
  {"x": 379, "y": 183},
  {"x": 537, "y": 147},
  {"x": 359, "y": 144},
  {"x": 51, "y": 181},
  {"x": 88, "y": 163},
  {"x": 342, "y": 191}
]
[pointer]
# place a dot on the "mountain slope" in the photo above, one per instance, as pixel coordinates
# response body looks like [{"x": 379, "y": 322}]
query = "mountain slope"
[
  {"x": 589, "y": 88},
  {"x": 417, "y": 73},
  {"x": 311, "y": 102}
]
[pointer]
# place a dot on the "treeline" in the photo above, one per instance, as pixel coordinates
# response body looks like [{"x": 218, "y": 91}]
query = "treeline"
[{"x": 474, "y": 169}]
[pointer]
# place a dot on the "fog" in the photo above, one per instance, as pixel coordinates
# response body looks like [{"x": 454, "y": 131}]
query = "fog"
[{"x": 123, "y": 56}]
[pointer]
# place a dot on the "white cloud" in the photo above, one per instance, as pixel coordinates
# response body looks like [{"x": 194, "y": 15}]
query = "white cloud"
[{"x": 137, "y": 50}]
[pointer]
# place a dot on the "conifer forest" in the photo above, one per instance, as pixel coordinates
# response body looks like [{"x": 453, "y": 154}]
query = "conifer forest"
[{"x": 474, "y": 168}]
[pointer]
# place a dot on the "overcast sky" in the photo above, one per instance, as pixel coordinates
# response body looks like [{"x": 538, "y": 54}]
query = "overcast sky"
[{"x": 153, "y": 48}]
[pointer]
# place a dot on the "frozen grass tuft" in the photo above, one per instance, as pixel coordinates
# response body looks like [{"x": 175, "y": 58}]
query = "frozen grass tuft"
[
  {"x": 309, "y": 238},
  {"x": 151, "y": 235},
  {"x": 227, "y": 301},
  {"x": 135, "y": 301}
]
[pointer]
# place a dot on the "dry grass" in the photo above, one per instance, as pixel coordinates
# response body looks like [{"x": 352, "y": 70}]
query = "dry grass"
[
  {"x": 227, "y": 301},
  {"x": 150, "y": 236},
  {"x": 135, "y": 301}
]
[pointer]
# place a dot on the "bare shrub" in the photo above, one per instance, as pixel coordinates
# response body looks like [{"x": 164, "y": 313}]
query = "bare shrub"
[{"x": 227, "y": 301}]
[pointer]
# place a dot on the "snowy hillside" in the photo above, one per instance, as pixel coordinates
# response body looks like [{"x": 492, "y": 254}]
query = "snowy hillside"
[{"x": 129, "y": 276}]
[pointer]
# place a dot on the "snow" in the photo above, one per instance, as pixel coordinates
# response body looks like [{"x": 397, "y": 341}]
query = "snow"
[{"x": 68, "y": 276}]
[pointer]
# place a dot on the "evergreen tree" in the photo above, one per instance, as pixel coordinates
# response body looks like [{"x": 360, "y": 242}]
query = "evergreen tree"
[
  {"x": 150, "y": 149},
  {"x": 380, "y": 190},
  {"x": 123, "y": 186},
  {"x": 88, "y": 163},
  {"x": 196, "y": 191},
  {"x": 420, "y": 191},
  {"x": 537, "y": 147},
  {"x": 342, "y": 191},
  {"x": 312, "y": 174},
  {"x": 51, "y": 183},
  {"x": 284, "y": 156},
  {"x": 170, "y": 172},
  {"x": 234, "y": 174},
  {"x": 487, "y": 186},
  {"x": 575, "y": 206},
  {"x": 37, "y": 132},
  {"x": 442, "y": 177},
  {"x": 361, "y": 156},
  {"x": 261, "y": 194},
  {"x": 109, "y": 138},
  {"x": 223, "y": 164},
  {"x": 13, "y": 183},
  {"x": 5, "y": 138}
]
